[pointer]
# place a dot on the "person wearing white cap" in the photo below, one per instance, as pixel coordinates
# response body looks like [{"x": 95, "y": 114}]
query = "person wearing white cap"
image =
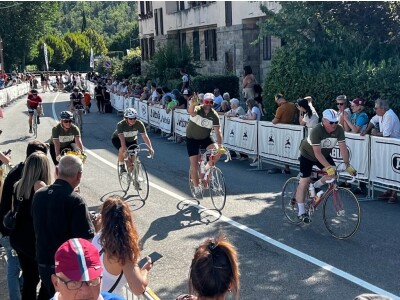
[
  {"x": 315, "y": 151},
  {"x": 203, "y": 118}
]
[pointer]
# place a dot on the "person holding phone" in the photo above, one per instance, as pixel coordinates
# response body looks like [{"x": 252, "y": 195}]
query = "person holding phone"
[{"x": 118, "y": 244}]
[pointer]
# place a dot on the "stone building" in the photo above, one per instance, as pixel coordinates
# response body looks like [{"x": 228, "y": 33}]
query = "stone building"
[{"x": 221, "y": 33}]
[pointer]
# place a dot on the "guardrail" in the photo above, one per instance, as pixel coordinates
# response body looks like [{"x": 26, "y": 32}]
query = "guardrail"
[
  {"x": 376, "y": 159},
  {"x": 11, "y": 93}
]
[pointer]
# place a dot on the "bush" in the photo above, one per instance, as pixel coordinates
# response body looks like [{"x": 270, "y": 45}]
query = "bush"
[
  {"x": 142, "y": 80},
  {"x": 225, "y": 83}
]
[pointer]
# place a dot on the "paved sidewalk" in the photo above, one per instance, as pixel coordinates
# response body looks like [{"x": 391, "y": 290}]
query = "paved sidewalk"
[{"x": 3, "y": 275}]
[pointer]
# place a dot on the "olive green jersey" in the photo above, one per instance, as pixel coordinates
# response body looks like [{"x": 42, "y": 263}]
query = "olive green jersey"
[
  {"x": 200, "y": 126},
  {"x": 320, "y": 137},
  {"x": 65, "y": 137},
  {"x": 130, "y": 132}
]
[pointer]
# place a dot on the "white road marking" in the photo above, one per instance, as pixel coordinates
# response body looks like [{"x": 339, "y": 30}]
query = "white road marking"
[{"x": 265, "y": 238}]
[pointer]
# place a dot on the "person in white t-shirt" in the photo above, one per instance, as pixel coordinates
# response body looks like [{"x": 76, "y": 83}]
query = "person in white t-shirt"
[
  {"x": 308, "y": 116},
  {"x": 389, "y": 126}
]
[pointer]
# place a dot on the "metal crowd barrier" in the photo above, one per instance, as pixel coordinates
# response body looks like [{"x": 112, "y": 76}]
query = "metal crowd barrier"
[{"x": 9, "y": 94}]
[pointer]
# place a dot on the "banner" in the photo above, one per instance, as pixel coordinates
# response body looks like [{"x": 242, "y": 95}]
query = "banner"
[
  {"x": 385, "y": 160},
  {"x": 142, "y": 112},
  {"x": 358, "y": 147},
  {"x": 46, "y": 59},
  {"x": 221, "y": 127},
  {"x": 280, "y": 142},
  {"x": 136, "y": 104},
  {"x": 241, "y": 135},
  {"x": 154, "y": 115},
  {"x": 181, "y": 120},
  {"x": 165, "y": 121},
  {"x": 91, "y": 63}
]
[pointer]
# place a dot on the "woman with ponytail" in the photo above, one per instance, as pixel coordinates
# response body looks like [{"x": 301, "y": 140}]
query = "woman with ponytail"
[
  {"x": 118, "y": 244},
  {"x": 308, "y": 116}
]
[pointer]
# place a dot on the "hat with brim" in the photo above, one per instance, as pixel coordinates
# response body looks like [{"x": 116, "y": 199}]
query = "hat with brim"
[{"x": 330, "y": 115}]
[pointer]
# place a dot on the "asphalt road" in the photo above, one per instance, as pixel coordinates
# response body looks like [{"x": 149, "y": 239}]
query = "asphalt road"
[{"x": 277, "y": 260}]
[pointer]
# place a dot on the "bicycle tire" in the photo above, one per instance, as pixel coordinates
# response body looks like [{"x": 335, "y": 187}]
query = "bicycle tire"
[
  {"x": 217, "y": 188},
  {"x": 289, "y": 203},
  {"x": 341, "y": 213},
  {"x": 35, "y": 125},
  {"x": 140, "y": 180},
  {"x": 124, "y": 178}
]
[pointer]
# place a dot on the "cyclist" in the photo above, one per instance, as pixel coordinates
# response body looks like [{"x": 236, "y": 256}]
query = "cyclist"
[
  {"x": 126, "y": 135},
  {"x": 64, "y": 135},
  {"x": 76, "y": 99},
  {"x": 203, "y": 118},
  {"x": 315, "y": 151},
  {"x": 34, "y": 102}
]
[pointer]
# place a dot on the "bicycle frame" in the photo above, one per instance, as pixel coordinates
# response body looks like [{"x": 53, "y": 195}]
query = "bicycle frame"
[{"x": 203, "y": 157}]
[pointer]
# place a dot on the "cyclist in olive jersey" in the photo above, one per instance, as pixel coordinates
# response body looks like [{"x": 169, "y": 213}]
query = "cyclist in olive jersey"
[
  {"x": 203, "y": 118},
  {"x": 126, "y": 135},
  {"x": 64, "y": 135}
]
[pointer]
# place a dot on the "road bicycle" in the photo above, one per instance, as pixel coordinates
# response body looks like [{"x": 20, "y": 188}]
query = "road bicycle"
[
  {"x": 212, "y": 179},
  {"x": 77, "y": 115},
  {"x": 35, "y": 123},
  {"x": 135, "y": 171},
  {"x": 341, "y": 209}
]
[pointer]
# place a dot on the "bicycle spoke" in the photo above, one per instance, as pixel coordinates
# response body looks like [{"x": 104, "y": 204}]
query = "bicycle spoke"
[
  {"x": 217, "y": 188},
  {"x": 141, "y": 181},
  {"x": 342, "y": 213},
  {"x": 124, "y": 178},
  {"x": 288, "y": 197}
]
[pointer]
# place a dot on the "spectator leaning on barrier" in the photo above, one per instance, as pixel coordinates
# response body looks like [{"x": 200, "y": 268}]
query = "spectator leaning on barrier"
[
  {"x": 359, "y": 119},
  {"x": 236, "y": 110},
  {"x": 341, "y": 103},
  {"x": 307, "y": 115},
  {"x": 389, "y": 126},
  {"x": 145, "y": 95},
  {"x": 78, "y": 272},
  {"x": 284, "y": 115}
]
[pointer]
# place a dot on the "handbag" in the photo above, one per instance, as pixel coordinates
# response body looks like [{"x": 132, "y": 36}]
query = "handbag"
[{"x": 10, "y": 218}]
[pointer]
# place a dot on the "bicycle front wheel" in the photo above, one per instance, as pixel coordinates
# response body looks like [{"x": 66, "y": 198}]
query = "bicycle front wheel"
[
  {"x": 289, "y": 203},
  {"x": 35, "y": 126},
  {"x": 78, "y": 122},
  {"x": 141, "y": 181},
  {"x": 217, "y": 188},
  {"x": 342, "y": 213},
  {"x": 124, "y": 178}
]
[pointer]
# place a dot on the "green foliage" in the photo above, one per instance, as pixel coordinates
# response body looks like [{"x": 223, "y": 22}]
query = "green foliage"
[
  {"x": 142, "y": 80},
  {"x": 166, "y": 62},
  {"x": 80, "y": 58},
  {"x": 96, "y": 41},
  {"x": 225, "y": 83},
  {"x": 58, "y": 51},
  {"x": 131, "y": 64},
  {"x": 334, "y": 48},
  {"x": 116, "y": 66}
]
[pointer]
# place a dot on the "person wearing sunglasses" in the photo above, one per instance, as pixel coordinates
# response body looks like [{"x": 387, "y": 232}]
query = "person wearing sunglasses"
[
  {"x": 359, "y": 119},
  {"x": 64, "y": 135},
  {"x": 342, "y": 109},
  {"x": 78, "y": 272},
  {"x": 316, "y": 151},
  {"x": 203, "y": 118},
  {"x": 126, "y": 135}
]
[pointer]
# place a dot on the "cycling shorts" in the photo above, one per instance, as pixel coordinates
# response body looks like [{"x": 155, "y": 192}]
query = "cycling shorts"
[
  {"x": 306, "y": 165},
  {"x": 117, "y": 143},
  {"x": 193, "y": 146}
]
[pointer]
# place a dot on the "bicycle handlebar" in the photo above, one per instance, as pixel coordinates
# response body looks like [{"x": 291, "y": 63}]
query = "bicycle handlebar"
[
  {"x": 136, "y": 149},
  {"x": 215, "y": 152}
]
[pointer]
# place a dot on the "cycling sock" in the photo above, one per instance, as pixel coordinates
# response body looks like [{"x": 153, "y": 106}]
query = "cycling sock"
[
  {"x": 120, "y": 163},
  {"x": 318, "y": 184},
  {"x": 302, "y": 209}
]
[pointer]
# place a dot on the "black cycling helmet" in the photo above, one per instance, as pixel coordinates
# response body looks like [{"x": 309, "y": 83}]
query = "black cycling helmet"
[
  {"x": 34, "y": 92},
  {"x": 76, "y": 89},
  {"x": 66, "y": 115}
]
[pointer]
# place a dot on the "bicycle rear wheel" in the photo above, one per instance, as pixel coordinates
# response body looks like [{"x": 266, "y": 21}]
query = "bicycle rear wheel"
[
  {"x": 289, "y": 203},
  {"x": 124, "y": 178},
  {"x": 141, "y": 181},
  {"x": 35, "y": 125},
  {"x": 217, "y": 188},
  {"x": 342, "y": 213}
]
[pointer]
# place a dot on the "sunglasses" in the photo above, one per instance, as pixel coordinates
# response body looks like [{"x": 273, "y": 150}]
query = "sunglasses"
[
  {"x": 208, "y": 102},
  {"x": 334, "y": 123},
  {"x": 131, "y": 119},
  {"x": 340, "y": 104},
  {"x": 67, "y": 121}
]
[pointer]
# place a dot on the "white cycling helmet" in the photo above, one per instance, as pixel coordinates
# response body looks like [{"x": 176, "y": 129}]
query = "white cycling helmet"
[{"x": 130, "y": 113}]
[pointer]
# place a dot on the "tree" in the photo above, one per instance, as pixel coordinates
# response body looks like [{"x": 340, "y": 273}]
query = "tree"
[
  {"x": 96, "y": 41},
  {"x": 80, "y": 57}
]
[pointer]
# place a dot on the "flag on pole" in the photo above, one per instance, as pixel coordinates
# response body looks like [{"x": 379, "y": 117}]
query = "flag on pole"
[
  {"x": 46, "y": 59},
  {"x": 91, "y": 58}
]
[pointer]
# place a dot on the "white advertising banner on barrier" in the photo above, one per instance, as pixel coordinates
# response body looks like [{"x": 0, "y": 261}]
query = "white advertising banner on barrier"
[
  {"x": 221, "y": 126},
  {"x": 154, "y": 115},
  {"x": 280, "y": 142},
  {"x": 358, "y": 147},
  {"x": 142, "y": 112},
  {"x": 241, "y": 135},
  {"x": 181, "y": 120},
  {"x": 3, "y": 97},
  {"x": 136, "y": 104},
  {"x": 165, "y": 121},
  {"x": 385, "y": 160}
]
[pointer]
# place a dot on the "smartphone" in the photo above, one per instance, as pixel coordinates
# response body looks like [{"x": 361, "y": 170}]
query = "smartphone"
[{"x": 154, "y": 257}]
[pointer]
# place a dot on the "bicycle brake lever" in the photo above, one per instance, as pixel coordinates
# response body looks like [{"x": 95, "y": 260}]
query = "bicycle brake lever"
[{"x": 353, "y": 178}]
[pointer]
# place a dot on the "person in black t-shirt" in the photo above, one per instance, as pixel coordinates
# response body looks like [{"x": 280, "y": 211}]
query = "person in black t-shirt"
[{"x": 59, "y": 214}]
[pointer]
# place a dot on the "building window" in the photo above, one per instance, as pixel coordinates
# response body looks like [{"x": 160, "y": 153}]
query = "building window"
[
  {"x": 180, "y": 5},
  {"x": 158, "y": 21},
  {"x": 267, "y": 47},
  {"x": 182, "y": 40},
  {"x": 151, "y": 47},
  {"x": 210, "y": 43},
  {"x": 146, "y": 10},
  {"x": 228, "y": 13},
  {"x": 196, "y": 45}
]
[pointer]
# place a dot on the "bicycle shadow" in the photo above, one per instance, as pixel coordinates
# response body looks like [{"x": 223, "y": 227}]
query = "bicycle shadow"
[
  {"x": 186, "y": 216},
  {"x": 134, "y": 204}
]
